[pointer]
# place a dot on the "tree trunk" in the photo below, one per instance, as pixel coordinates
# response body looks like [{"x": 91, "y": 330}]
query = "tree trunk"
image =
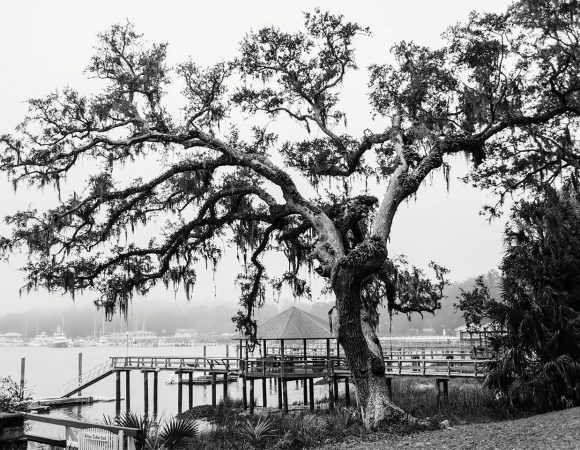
[{"x": 357, "y": 335}]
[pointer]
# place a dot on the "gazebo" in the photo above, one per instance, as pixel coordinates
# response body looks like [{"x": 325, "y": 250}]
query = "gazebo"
[{"x": 294, "y": 333}]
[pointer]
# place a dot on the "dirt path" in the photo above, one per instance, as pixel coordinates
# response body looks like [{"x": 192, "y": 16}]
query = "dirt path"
[{"x": 556, "y": 430}]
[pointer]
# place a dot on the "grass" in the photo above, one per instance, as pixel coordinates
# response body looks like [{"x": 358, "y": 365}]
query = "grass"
[
  {"x": 468, "y": 401},
  {"x": 232, "y": 428}
]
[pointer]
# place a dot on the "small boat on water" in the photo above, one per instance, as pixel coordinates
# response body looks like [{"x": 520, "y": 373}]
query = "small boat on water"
[
  {"x": 39, "y": 341},
  {"x": 59, "y": 340},
  {"x": 199, "y": 378}
]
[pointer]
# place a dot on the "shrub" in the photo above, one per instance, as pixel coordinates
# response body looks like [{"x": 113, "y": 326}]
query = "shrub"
[{"x": 13, "y": 398}]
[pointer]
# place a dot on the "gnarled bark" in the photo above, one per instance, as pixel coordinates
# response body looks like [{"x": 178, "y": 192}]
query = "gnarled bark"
[{"x": 357, "y": 335}]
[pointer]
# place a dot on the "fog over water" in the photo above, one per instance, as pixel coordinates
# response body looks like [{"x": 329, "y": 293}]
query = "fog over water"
[{"x": 47, "y": 369}]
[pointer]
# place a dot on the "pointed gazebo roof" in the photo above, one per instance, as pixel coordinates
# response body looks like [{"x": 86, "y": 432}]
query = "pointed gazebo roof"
[{"x": 294, "y": 323}]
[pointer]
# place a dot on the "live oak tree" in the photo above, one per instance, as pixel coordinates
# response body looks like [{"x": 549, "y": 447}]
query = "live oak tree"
[{"x": 499, "y": 78}]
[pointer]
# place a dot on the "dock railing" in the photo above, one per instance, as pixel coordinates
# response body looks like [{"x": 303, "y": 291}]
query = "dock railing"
[
  {"x": 205, "y": 364},
  {"x": 427, "y": 363},
  {"x": 85, "y": 377},
  {"x": 119, "y": 437}
]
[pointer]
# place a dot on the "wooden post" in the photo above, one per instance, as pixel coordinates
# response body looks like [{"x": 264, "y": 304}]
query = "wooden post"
[
  {"x": 446, "y": 390},
  {"x": 128, "y": 390},
  {"x": 117, "y": 392},
  {"x": 155, "y": 387},
  {"x": 335, "y": 388},
  {"x": 285, "y": 395},
  {"x": 179, "y": 392},
  {"x": 347, "y": 391},
  {"x": 264, "y": 393},
  {"x": 190, "y": 403},
  {"x": 227, "y": 350},
  {"x": 225, "y": 395},
  {"x": 311, "y": 389},
  {"x": 305, "y": 380},
  {"x": 204, "y": 356},
  {"x": 389, "y": 382},
  {"x": 213, "y": 389},
  {"x": 330, "y": 392},
  {"x": 251, "y": 397},
  {"x": 279, "y": 381},
  {"x": 146, "y": 392},
  {"x": 244, "y": 385},
  {"x": 22, "y": 376},
  {"x": 265, "y": 352},
  {"x": 80, "y": 371}
]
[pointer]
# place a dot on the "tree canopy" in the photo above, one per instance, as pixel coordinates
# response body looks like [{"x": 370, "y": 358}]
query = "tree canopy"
[{"x": 499, "y": 89}]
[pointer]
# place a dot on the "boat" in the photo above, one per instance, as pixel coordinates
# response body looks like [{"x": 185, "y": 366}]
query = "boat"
[
  {"x": 199, "y": 378},
  {"x": 59, "y": 340},
  {"x": 39, "y": 341}
]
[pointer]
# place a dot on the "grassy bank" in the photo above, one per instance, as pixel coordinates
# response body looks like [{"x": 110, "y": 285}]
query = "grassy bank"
[{"x": 232, "y": 428}]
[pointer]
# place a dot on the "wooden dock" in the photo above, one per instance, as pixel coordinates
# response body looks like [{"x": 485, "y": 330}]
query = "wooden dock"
[{"x": 440, "y": 365}]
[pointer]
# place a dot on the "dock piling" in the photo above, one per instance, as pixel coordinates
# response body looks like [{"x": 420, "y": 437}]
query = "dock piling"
[
  {"x": 311, "y": 389},
  {"x": 213, "y": 389},
  {"x": 179, "y": 392},
  {"x": 347, "y": 391},
  {"x": 80, "y": 371},
  {"x": 225, "y": 394},
  {"x": 22, "y": 376},
  {"x": 117, "y": 392},
  {"x": 279, "y": 387},
  {"x": 285, "y": 395},
  {"x": 146, "y": 392},
  {"x": 330, "y": 392},
  {"x": 264, "y": 393},
  {"x": 251, "y": 397},
  {"x": 155, "y": 386},
  {"x": 128, "y": 390},
  {"x": 244, "y": 385},
  {"x": 190, "y": 393}
]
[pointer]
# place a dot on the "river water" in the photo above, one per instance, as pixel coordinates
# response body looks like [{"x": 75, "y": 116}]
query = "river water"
[{"x": 47, "y": 369}]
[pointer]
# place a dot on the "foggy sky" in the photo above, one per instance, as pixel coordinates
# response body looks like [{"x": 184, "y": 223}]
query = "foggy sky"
[{"x": 47, "y": 45}]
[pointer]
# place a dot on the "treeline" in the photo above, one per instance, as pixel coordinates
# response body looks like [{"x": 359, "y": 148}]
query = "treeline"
[{"x": 164, "y": 316}]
